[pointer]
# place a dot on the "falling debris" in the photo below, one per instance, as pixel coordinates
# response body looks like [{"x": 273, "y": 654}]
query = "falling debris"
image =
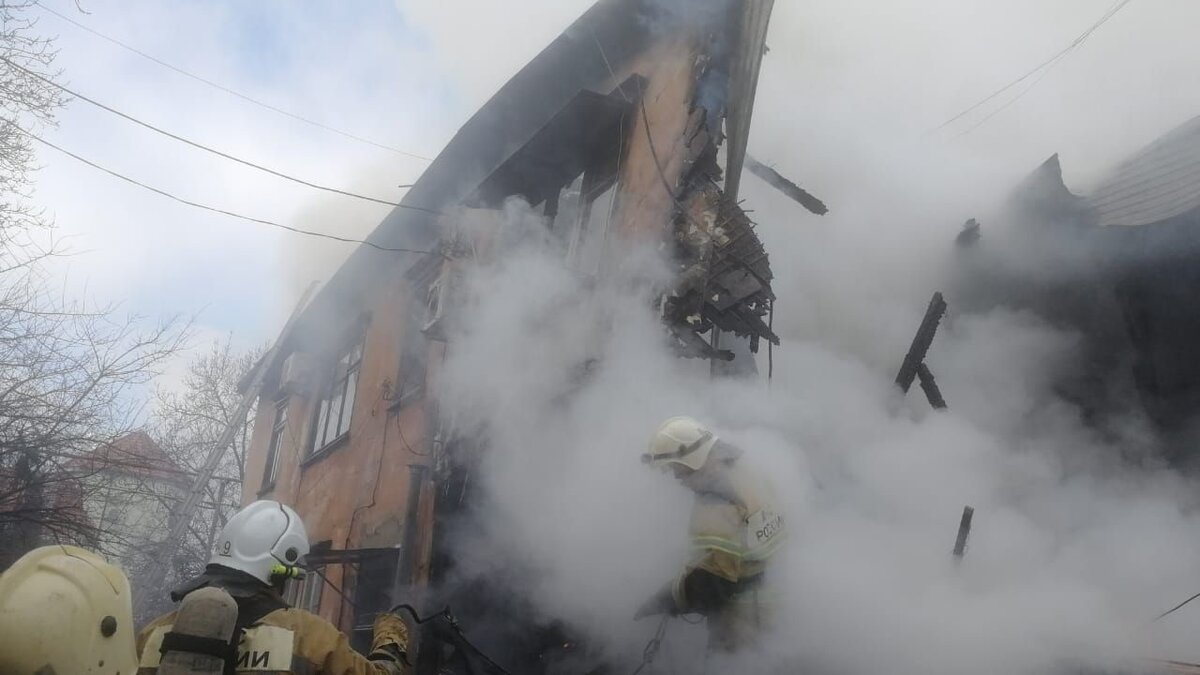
[
  {"x": 787, "y": 187},
  {"x": 964, "y": 531},
  {"x": 914, "y": 362},
  {"x": 929, "y": 386},
  {"x": 969, "y": 234}
]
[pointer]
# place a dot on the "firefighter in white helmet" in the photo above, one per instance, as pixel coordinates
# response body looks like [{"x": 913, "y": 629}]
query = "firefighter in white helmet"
[
  {"x": 734, "y": 530},
  {"x": 65, "y": 610},
  {"x": 260, "y": 548}
]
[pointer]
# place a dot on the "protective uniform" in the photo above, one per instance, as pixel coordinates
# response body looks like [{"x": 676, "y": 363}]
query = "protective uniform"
[
  {"x": 65, "y": 610},
  {"x": 734, "y": 530},
  {"x": 262, "y": 545}
]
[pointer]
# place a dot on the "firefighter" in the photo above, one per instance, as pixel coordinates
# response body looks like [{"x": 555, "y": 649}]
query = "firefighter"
[
  {"x": 65, "y": 610},
  {"x": 260, "y": 548},
  {"x": 734, "y": 530}
]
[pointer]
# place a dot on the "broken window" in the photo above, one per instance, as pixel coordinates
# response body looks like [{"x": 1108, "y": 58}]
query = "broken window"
[
  {"x": 587, "y": 249},
  {"x": 569, "y": 169},
  {"x": 367, "y": 583},
  {"x": 374, "y": 577},
  {"x": 414, "y": 361},
  {"x": 585, "y": 208},
  {"x": 336, "y": 405},
  {"x": 278, "y": 429}
]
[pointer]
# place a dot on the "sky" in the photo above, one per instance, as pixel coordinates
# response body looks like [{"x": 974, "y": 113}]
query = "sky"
[{"x": 851, "y": 90}]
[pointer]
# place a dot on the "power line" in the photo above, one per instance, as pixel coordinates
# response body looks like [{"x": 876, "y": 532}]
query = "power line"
[
  {"x": 227, "y": 90},
  {"x": 232, "y": 214},
  {"x": 1175, "y": 608},
  {"x": 192, "y": 143},
  {"x": 1047, "y": 64}
]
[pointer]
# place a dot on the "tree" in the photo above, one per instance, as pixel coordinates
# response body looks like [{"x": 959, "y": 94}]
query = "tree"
[
  {"x": 187, "y": 422},
  {"x": 71, "y": 374},
  {"x": 27, "y": 103}
]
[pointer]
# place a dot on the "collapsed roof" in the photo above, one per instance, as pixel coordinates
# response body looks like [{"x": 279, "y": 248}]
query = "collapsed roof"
[{"x": 606, "y": 37}]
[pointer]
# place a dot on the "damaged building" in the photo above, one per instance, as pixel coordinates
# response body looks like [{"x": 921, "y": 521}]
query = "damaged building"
[
  {"x": 1120, "y": 267},
  {"x": 630, "y": 128}
]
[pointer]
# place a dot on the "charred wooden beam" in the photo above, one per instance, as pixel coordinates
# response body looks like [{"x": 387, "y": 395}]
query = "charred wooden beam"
[
  {"x": 787, "y": 187},
  {"x": 929, "y": 386},
  {"x": 964, "y": 530},
  {"x": 921, "y": 342}
]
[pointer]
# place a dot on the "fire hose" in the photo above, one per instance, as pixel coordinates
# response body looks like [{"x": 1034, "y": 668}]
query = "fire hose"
[{"x": 445, "y": 628}]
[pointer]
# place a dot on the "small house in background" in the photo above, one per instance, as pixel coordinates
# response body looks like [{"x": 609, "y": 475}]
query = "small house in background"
[
  {"x": 1121, "y": 266},
  {"x": 127, "y": 490},
  {"x": 115, "y": 499},
  {"x": 629, "y": 128}
]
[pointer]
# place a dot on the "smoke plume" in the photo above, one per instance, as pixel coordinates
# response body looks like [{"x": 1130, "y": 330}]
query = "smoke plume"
[{"x": 1074, "y": 548}]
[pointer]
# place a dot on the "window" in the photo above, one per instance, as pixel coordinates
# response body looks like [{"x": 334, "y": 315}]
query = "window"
[
  {"x": 414, "y": 360},
  {"x": 336, "y": 405},
  {"x": 305, "y": 593},
  {"x": 570, "y": 169},
  {"x": 591, "y": 235},
  {"x": 278, "y": 429},
  {"x": 580, "y": 214},
  {"x": 310, "y": 594},
  {"x": 374, "y": 577}
]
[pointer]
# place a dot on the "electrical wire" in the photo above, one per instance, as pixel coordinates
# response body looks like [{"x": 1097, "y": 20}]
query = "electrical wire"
[
  {"x": 771, "y": 345},
  {"x": 228, "y": 90},
  {"x": 335, "y": 588},
  {"x": 1174, "y": 609},
  {"x": 679, "y": 206},
  {"x": 192, "y": 143},
  {"x": 374, "y": 488},
  {"x": 1045, "y": 65},
  {"x": 1006, "y": 105},
  {"x": 181, "y": 200}
]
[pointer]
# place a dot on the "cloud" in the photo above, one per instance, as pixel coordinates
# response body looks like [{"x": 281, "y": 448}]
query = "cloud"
[
  {"x": 847, "y": 92},
  {"x": 482, "y": 53},
  {"x": 352, "y": 72}
]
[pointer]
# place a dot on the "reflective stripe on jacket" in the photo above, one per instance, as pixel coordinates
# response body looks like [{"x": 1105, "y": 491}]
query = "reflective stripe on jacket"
[{"x": 734, "y": 529}]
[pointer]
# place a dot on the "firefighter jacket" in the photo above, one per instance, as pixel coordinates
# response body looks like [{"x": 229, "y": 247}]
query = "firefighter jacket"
[
  {"x": 734, "y": 531},
  {"x": 276, "y": 639}
]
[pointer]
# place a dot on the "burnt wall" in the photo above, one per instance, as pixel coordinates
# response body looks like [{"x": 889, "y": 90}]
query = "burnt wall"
[{"x": 356, "y": 493}]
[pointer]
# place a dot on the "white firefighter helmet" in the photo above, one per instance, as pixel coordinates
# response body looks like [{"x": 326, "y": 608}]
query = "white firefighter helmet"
[
  {"x": 264, "y": 539},
  {"x": 681, "y": 441},
  {"x": 65, "y": 610}
]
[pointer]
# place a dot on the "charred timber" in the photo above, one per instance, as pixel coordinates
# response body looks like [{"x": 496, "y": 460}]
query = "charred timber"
[
  {"x": 921, "y": 342},
  {"x": 787, "y": 187}
]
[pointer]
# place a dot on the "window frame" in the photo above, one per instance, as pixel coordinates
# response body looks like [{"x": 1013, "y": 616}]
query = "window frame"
[
  {"x": 279, "y": 428},
  {"x": 590, "y": 236},
  {"x": 305, "y": 593},
  {"x": 599, "y": 182},
  {"x": 338, "y": 374},
  {"x": 310, "y": 595},
  {"x": 371, "y": 588},
  {"x": 414, "y": 347}
]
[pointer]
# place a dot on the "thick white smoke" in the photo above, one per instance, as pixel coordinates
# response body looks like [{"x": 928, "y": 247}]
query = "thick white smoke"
[
  {"x": 1073, "y": 551},
  {"x": 1074, "y": 548}
]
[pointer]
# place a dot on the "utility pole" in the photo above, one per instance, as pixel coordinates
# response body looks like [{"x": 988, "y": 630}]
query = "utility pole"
[{"x": 181, "y": 515}]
